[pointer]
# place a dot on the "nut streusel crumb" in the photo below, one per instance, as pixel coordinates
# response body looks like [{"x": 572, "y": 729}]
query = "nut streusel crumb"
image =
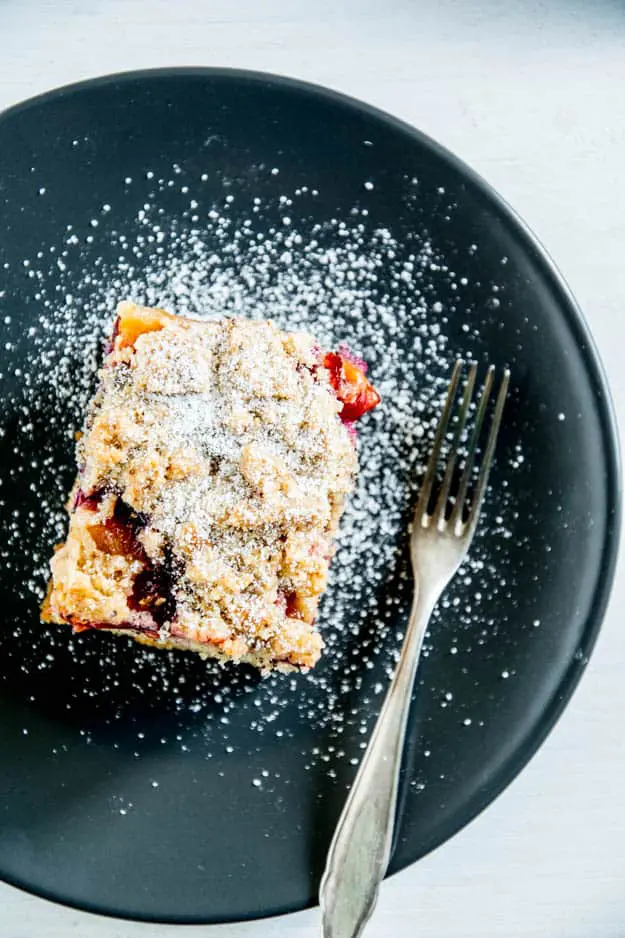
[{"x": 214, "y": 466}]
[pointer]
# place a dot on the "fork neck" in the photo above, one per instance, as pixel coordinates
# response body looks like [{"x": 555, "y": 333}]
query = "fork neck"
[{"x": 424, "y": 600}]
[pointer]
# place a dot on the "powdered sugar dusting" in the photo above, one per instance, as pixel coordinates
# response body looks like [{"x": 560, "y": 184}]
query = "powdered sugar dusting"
[{"x": 344, "y": 281}]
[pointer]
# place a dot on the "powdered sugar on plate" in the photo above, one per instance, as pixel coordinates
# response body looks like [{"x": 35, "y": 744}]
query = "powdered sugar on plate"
[{"x": 344, "y": 281}]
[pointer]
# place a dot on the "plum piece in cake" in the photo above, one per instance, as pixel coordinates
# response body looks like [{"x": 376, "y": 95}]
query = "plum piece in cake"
[{"x": 215, "y": 463}]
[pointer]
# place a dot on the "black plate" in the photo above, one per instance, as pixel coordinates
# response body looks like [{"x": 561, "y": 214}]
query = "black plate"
[{"x": 157, "y": 787}]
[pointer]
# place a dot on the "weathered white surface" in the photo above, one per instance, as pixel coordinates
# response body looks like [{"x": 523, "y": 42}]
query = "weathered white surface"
[{"x": 532, "y": 94}]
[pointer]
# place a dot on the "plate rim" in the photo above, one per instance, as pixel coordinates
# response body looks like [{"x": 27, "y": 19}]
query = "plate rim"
[{"x": 593, "y": 365}]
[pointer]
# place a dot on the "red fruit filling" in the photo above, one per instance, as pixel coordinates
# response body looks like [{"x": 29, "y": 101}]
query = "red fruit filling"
[
  {"x": 118, "y": 534},
  {"x": 90, "y": 501},
  {"x": 351, "y": 386},
  {"x": 122, "y": 626},
  {"x": 134, "y": 321},
  {"x": 152, "y": 590},
  {"x": 345, "y": 352},
  {"x": 287, "y": 601}
]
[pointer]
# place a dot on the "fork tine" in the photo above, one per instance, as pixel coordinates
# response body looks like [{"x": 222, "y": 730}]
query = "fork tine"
[
  {"x": 430, "y": 473},
  {"x": 456, "y": 515},
  {"x": 441, "y": 504},
  {"x": 482, "y": 480}
]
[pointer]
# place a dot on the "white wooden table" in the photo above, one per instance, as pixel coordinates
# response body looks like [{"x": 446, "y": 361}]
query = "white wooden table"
[{"x": 532, "y": 94}]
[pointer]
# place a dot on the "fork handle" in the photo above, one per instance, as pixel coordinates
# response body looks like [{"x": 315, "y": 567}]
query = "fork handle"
[{"x": 361, "y": 846}]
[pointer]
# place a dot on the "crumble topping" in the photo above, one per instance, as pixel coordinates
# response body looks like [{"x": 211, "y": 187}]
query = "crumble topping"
[{"x": 213, "y": 472}]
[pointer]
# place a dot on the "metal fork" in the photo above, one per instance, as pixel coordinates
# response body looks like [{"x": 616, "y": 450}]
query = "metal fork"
[{"x": 440, "y": 539}]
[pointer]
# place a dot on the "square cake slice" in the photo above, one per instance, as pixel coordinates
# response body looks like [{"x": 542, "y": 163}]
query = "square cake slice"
[{"x": 213, "y": 471}]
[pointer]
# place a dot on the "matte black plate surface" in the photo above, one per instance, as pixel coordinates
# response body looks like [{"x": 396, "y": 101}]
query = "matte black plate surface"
[{"x": 124, "y": 787}]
